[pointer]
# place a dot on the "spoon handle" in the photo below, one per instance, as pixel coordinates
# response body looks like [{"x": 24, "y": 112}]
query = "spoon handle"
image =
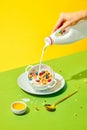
[{"x": 66, "y": 97}]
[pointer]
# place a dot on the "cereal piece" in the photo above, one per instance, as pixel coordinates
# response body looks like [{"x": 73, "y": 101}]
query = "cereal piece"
[
  {"x": 43, "y": 71},
  {"x": 47, "y": 76},
  {"x": 49, "y": 80},
  {"x": 37, "y": 80},
  {"x": 43, "y": 76},
  {"x": 34, "y": 77},
  {"x": 36, "y": 73},
  {"x": 44, "y": 81},
  {"x": 40, "y": 74},
  {"x": 33, "y": 74},
  {"x": 48, "y": 73},
  {"x": 50, "y": 76},
  {"x": 30, "y": 78}
]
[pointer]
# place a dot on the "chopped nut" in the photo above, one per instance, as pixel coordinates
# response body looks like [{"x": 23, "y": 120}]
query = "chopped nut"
[
  {"x": 85, "y": 81},
  {"x": 81, "y": 107},
  {"x": 75, "y": 114},
  {"x": 36, "y": 108},
  {"x": 60, "y": 70}
]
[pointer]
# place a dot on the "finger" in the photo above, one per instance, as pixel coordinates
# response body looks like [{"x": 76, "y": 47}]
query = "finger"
[
  {"x": 65, "y": 25},
  {"x": 58, "y": 25}
]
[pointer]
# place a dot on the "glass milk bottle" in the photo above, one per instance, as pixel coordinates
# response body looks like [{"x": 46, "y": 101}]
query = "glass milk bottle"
[{"x": 71, "y": 34}]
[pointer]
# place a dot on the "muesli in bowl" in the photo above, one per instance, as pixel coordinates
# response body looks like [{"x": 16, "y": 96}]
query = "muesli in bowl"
[{"x": 41, "y": 79}]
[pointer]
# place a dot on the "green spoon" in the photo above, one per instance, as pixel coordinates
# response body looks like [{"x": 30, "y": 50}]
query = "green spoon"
[{"x": 52, "y": 107}]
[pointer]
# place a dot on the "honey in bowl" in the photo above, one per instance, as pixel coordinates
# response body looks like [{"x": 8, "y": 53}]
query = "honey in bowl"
[{"x": 19, "y": 107}]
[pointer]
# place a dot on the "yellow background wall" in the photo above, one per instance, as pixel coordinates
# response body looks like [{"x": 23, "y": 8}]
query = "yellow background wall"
[{"x": 23, "y": 26}]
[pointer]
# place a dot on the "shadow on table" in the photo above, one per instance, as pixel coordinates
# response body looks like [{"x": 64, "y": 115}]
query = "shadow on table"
[{"x": 78, "y": 76}]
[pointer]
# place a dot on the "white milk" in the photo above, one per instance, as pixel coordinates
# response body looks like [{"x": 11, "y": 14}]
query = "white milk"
[{"x": 42, "y": 54}]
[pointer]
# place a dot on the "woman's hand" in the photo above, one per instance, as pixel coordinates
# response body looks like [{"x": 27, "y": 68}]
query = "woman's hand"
[{"x": 69, "y": 19}]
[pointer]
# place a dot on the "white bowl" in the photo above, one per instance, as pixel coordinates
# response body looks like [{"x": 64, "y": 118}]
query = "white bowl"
[
  {"x": 29, "y": 69},
  {"x": 18, "y": 107}
]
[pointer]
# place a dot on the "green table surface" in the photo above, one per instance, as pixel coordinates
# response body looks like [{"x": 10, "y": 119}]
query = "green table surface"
[{"x": 69, "y": 115}]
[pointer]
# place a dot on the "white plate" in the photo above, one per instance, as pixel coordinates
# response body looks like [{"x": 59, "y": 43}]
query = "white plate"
[{"x": 24, "y": 84}]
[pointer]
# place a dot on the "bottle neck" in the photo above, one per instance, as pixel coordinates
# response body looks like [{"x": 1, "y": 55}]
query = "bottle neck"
[
  {"x": 48, "y": 41},
  {"x": 51, "y": 41}
]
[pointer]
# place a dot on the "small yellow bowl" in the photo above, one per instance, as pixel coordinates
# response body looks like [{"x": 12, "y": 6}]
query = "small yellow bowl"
[{"x": 18, "y": 107}]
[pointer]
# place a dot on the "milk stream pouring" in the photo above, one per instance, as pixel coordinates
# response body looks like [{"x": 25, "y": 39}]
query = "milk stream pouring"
[{"x": 72, "y": 34}]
